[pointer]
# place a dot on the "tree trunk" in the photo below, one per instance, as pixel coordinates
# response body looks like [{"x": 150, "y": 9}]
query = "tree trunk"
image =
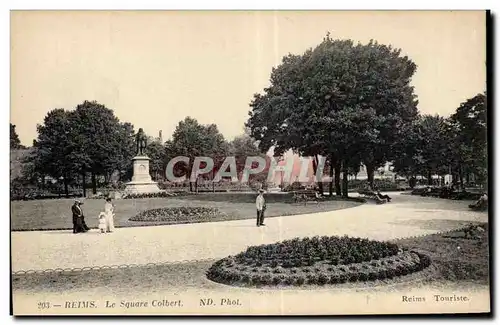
[
  {"x": 107, "y": 178},
  {"x": 66, "y": 189},
  {"x": 94, "y": 183},
  {"x": 345, "y": 190},
  {"x": 429, "y": 177},
  {"x": 332, "y": 162},
  {"x": 338, "y": 189},
  {"x": 315, "y": 169},
  {"x": 370, "y": 169},
  {"x": 460, "y": 177},
  {"x": 84, "y": 183}
]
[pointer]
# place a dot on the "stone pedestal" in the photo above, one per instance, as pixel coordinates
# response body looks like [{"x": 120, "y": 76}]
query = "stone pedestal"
[{"x": 141, "y": 180}]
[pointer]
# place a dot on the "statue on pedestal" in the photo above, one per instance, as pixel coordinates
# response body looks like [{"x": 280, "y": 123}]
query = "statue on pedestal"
[
  {"x": 141, "y": 179},
  {"x": 141, "y": 142}
]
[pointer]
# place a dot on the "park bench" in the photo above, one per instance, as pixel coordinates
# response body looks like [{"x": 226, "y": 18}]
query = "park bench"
[
  {"x": 306, "y": 196},
  {"x": 479, "y": 206},
  {"x": 370, "y": 196}
]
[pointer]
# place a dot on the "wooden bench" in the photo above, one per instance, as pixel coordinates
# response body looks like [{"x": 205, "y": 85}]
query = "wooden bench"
[
  {"x": 305, "y": 196},
  {"x": 479, "y": 206},
  {"x": 371, "y": 196}
]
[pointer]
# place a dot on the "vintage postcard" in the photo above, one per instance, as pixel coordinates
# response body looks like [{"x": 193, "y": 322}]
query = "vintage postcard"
[{"x": 249, "y": 163}]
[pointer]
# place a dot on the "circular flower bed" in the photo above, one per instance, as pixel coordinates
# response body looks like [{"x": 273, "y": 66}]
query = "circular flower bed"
[
  {"x": 180, "y": 213},
  {"x": 317, "y": 260}
]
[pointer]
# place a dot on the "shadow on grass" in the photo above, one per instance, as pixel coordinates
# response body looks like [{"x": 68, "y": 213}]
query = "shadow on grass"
[{"x": 434, "y": 224}]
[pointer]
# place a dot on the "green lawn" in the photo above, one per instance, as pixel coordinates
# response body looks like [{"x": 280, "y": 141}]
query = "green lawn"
[
  {"x": 455, "y": 257},
  {"x": 56, "y": 214}
]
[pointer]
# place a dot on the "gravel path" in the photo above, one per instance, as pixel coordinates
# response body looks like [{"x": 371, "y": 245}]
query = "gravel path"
[{"x": 405, "y": 216}]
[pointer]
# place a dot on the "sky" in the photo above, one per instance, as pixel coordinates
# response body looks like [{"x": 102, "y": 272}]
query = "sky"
[{"x": 154, "y": 68}]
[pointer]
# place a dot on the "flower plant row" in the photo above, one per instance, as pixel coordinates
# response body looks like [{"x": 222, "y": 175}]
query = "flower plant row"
[
  {"x": 337, "y": 250},
  {"x": 317, "y": 261},
  {"x": 168, "y": 214}
]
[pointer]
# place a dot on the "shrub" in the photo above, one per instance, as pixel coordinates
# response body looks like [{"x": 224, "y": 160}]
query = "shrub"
[
  {"x": 323, "y": 278},
  {"x": 266, "y": 279},
  {"x": 343, "y": 278},
  {"x": 425, "y": 260},
  {"x": 312, "y": 278},
  {"x": 363, "y": 276},
  {"x": 278, "y": 270},
  {"x": 353, "y": 277},
  {"x": 255, "y": 279},
  {"x": 299, "y": 280},
  {"x": 382, "y": 274}
]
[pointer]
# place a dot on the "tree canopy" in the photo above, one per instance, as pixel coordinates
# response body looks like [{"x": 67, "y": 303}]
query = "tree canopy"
[
  {"x": 89, "y": 139},
  {"x": 15, "y": 142},
  {"x": 344, "y": 101}
]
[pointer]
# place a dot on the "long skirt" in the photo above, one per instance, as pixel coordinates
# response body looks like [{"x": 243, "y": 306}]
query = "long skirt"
[
  {"x": 79, "y": 225},
  {"x": 110, "y": 224}
]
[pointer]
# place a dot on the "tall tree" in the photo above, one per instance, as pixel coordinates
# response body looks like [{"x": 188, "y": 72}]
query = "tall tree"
[
  {"x": 156, "y": 152},
  {"x": 103, "y": 141},
  {"x": 469, "y": 133},
  {"x": 54, "y": 152},
  {"x": 15, "y": 143},
  {"x": 241, "y": 147},
  {"x": 317, "y": 99},
  {"x": 90, "y": 139},
  {"x": 433, "y": 144},
  {"x": 192, "y": 139},
  {"x": 408, "y": 152}
]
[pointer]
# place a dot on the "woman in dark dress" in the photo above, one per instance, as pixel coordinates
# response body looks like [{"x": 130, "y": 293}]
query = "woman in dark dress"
[{"x": 78, "y": 218}]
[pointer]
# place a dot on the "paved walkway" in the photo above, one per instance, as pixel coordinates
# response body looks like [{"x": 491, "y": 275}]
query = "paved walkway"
[{"x": 403, "y": 217}]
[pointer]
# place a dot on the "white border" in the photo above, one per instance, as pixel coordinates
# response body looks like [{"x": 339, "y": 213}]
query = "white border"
[{"x": 170, "y": 5}]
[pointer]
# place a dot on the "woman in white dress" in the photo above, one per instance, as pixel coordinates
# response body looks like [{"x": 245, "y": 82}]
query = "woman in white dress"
[{"x": 109, "y": 210}]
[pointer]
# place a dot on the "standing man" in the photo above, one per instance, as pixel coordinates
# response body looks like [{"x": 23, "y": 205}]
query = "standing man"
[{"x": 260, "y": 204}]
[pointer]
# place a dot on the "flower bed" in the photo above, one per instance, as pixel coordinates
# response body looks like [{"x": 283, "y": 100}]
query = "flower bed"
[
  {"x": 146, "y": 195},
  {"x": 181, "y": 213},
  {"x": 155, "y": 195},
  {"x": 318, "y": 261}
]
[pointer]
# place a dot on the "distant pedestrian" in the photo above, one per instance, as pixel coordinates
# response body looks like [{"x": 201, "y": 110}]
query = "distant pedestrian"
[{"x": 260, "y": 204}]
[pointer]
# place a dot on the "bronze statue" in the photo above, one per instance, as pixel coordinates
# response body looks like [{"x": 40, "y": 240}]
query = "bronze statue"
[{"x": 141, "y": 142}]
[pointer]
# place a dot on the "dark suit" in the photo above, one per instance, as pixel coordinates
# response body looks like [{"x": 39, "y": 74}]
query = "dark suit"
[{"x": 78, "y": 219}]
